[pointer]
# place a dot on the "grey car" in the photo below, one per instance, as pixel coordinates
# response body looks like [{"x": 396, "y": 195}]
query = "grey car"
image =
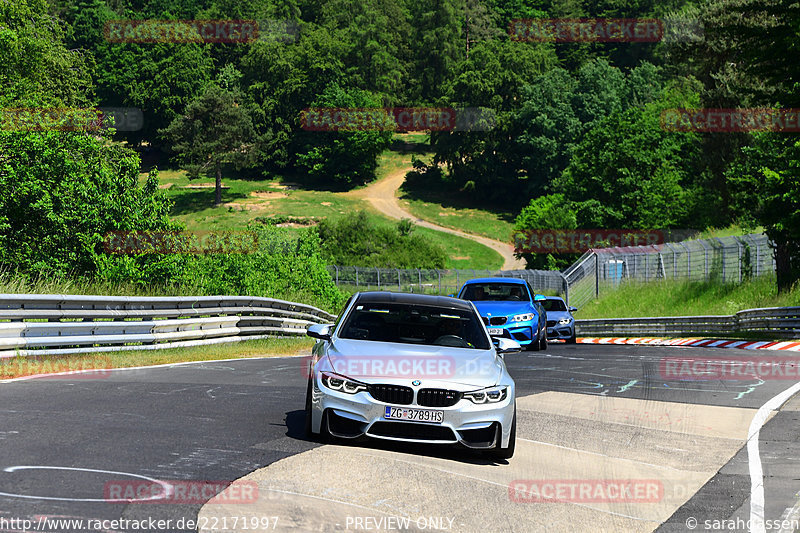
[
  {"x": 411, "y": 368},
  {"x": 560, "y": 322}
]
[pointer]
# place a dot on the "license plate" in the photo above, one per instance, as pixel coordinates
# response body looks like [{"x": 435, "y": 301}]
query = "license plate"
[
  {"x": 413, "y": 415},
  {"x": 496, "y": 331}
]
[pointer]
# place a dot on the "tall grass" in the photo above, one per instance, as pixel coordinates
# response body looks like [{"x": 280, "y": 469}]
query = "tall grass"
[{"x": 683, "y": 298}]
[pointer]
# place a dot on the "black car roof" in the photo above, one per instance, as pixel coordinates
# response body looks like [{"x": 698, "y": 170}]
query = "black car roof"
[{"x": 413, "y": 299}]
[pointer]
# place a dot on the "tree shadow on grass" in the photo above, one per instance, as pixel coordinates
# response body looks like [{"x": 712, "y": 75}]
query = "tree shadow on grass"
[
  {"x": 450, "y": 197},
  {"x": 194, "y": 200}
]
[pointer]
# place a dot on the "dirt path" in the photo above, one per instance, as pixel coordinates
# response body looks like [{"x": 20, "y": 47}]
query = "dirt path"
[{"x": 382, "y": 194}]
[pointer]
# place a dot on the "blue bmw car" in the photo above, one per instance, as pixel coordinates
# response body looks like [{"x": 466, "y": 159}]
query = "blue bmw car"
[
  {"x": 560, "y": 322},
  {"x": 510, "y": 309}
]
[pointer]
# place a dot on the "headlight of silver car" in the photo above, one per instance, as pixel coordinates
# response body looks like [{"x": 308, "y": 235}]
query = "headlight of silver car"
[
  {"x": 490, "y": 395},
  {"x": 565, "y": 321},
  {"x": 342, "y": 384},
  {"x": 524, "y": 317}
]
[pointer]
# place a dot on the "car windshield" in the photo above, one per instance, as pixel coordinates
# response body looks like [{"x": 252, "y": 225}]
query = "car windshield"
[
  {"x": 495, "y": 292},
  {"x": 415, "y": 324},
  {"x": 553, "y": 305}
]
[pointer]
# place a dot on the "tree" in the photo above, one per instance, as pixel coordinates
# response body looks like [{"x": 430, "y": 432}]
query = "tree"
[
  {"x": 550, "y": 212},
  {"x": 36, "y": 67},
  {"x": 343, "y": 159},
  {"x": 766, "y": 180},
  {"x": 62, "y": 192},
  {"x": 628, "y": 172},
  {"x": 215, "y": 129}
]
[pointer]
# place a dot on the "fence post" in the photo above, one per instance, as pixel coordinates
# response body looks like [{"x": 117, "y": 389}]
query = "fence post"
[
  {"x": 356, "y": 277},
  {"x": 596, "y": 275},
  {"x": 419, "y": 273},
  {"x": 379, "y": 277},
  {"x": 566, "y": 288},
  {"x": 399, "y": 285},
  {"x": 337, "y": 274},
  {"x": 439, "y": 273}
]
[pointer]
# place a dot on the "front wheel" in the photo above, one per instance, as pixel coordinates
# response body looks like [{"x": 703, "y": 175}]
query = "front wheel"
[
  {"x": 543, "y": 341},
  {"x": 507, "y": 453},
  {"x": 309, "y": 433},
  {"x": 573, "y": 339}
]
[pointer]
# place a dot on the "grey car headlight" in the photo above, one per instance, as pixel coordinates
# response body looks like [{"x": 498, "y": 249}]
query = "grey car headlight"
[
  {"x": 490, "y": 395},
  {"x": 565, "y": 321},
  {"x": 523, "y": 318},
  {"x": 342, "y": 384}
]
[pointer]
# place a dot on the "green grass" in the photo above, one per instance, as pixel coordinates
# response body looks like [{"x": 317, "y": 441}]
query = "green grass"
[
  {"x": 245, "y": 200},
  {"x": 687, "y": 298},
  {"x": 448, "y": 209},
  {"x": 24, "y": 366}
]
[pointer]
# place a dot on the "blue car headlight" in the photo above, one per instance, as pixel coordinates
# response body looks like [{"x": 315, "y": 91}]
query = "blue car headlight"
[
  {"x": 523, "y": 317},
  {"x": 490, "y": 395},
  {"x": 342, "y": 384}
]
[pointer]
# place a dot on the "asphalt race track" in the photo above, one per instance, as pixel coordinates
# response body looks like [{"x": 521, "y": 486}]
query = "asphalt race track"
[{"x": 596, "y": 414}]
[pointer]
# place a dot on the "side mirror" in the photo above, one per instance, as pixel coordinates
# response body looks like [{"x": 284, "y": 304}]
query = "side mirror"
[
  {"x": 572, "y": 309},
  {"x": 452, "y": 295},
  {"x": 539, "y": 298},
  {"x": 505, "y": 346},
  {"x": 320, "y": 331}
]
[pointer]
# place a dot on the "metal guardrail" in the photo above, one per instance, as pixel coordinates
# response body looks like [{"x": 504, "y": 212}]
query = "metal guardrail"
[
  {"x": 773, "y": 321},
  {"x": 50, "y": 324}
]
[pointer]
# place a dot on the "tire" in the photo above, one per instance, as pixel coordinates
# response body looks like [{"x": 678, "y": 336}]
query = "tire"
[
  {"x": 573, "y": 339},
  {"x": 507, "y": 453},
  {"x": 534, "y": 346},
  {"x": 543, "y": 341},
  {"x": 309, "y": 433}
]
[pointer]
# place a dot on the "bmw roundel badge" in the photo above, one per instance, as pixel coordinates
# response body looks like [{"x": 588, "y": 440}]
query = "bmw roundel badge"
[{"x": 416, "y": 383}]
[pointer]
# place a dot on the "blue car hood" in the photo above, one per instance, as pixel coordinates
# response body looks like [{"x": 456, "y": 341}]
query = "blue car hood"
[
  {"x": 504, "y": 308},
  {"x": 558, "y": 315}
]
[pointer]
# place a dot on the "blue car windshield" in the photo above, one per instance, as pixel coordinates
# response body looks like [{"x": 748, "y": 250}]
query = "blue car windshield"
[
  {"x": 415, "y": 324},
  {"x": 495, "y": 292},
  {"x": 553, "y": 305}
]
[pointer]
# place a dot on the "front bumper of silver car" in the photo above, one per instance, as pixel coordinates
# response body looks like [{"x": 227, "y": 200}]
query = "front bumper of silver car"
[{"x": 353, "y": 416}]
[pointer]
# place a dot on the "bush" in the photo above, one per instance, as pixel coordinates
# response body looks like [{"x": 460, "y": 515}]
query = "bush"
[{"x": 356, "y": 240}]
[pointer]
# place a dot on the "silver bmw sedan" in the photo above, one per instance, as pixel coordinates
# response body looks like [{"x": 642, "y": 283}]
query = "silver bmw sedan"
[{"x": 413, "y": 368}]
